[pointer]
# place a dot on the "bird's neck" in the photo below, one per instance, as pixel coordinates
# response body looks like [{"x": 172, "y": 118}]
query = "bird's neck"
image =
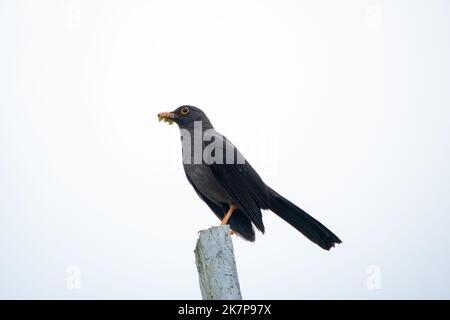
[{"x": 193, "y": 141}]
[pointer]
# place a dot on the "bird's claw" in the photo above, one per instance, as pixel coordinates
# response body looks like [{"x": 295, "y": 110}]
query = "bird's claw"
[
  {"x": 202, "y": 230},
  {"x": 232, "y": 233}
]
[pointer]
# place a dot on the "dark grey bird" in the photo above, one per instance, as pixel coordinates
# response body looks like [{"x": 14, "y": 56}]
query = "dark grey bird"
[{"x": 229, "y": 185}]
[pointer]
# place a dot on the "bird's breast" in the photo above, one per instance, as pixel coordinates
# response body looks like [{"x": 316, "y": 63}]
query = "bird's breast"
[{"x": 205, "y": 182}]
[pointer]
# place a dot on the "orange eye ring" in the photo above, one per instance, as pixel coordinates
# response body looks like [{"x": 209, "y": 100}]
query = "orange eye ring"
[{"x": 184, "y": 111}]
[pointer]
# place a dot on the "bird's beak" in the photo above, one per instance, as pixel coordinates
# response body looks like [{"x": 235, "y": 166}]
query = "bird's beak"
[{"x": 166, "y": 117}]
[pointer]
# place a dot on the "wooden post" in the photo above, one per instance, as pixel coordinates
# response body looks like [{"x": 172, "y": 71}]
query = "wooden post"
[{"x": 214, "y": 257}]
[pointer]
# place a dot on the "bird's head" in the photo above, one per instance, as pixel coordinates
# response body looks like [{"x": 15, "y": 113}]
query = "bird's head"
[{"x": 184, "y": 116}]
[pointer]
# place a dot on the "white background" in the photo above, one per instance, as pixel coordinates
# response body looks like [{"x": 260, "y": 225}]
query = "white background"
[{"x": 341, "y": 106}]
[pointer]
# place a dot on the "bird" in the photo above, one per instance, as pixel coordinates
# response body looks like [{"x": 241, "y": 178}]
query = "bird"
[{"x": 230, "y": 186}]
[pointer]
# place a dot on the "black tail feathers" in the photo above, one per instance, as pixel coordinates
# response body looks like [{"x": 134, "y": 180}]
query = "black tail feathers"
[{"x": 303, "y": 222}]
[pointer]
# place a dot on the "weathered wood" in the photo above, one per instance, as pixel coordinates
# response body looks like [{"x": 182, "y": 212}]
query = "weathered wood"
[{"x": 214, "y": 257}]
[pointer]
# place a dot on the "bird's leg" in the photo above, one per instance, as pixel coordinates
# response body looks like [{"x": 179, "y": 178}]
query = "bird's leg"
[
  {"x": 226, "y": 218},
  {"x": 228, "y": 215}
]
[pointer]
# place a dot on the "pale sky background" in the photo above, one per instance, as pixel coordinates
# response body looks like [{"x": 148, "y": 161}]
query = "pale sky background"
[{"x": 348, "y": 102}]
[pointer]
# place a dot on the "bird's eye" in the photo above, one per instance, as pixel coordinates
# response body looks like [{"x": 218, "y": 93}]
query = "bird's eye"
[{"x": 184, "y": 111}]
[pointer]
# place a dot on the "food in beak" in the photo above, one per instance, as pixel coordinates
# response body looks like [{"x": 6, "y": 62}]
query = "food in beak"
[{"x": 165, "y": 118}]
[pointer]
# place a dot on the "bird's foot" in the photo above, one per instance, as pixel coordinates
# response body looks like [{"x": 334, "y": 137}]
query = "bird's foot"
[
  {"x": 201, "y": 231},
  {"x": 204, "y": 229},
  {"x": 232, "y": 232}
]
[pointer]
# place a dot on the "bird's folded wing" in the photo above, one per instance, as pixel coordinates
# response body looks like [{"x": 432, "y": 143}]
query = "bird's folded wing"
[{"x": 244, "y": 186}]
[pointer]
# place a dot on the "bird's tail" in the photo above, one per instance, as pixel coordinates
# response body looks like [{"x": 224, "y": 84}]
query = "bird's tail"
[{"x": 303, "y": 222}]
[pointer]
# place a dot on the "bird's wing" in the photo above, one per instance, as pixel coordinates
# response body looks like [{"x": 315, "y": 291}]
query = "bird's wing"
[{"x": 243, "y": 184}]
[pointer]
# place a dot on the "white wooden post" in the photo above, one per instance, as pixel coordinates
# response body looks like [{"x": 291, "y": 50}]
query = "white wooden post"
[{"x": 214, "y": 257}]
